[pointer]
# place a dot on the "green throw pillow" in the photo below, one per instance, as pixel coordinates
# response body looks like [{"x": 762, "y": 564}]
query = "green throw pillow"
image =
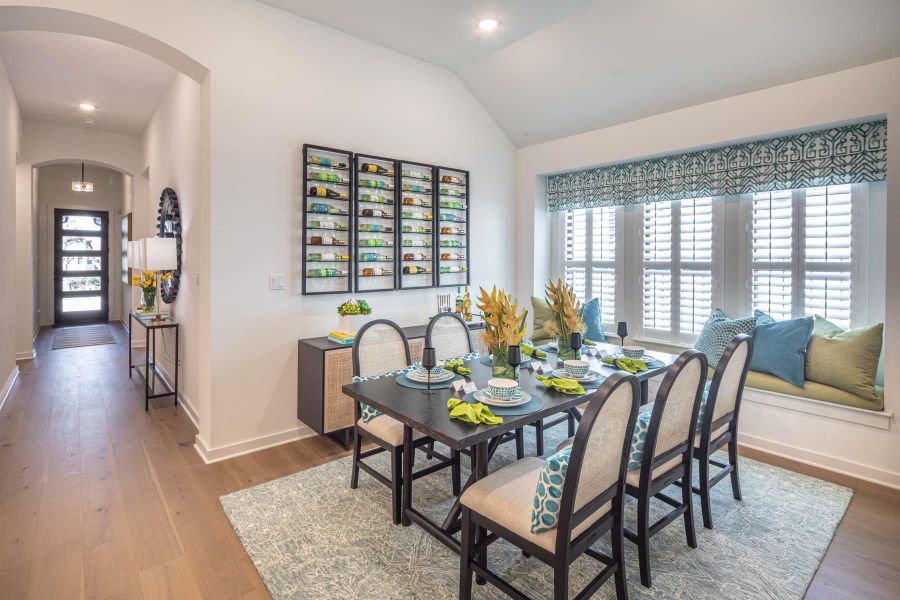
[
  {"x": 542, "y": 316},
  {"x": 847, "y": 360}
]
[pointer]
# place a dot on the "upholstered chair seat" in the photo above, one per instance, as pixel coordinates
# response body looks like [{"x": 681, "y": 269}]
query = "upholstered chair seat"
[{"x": 388, "y": 429}]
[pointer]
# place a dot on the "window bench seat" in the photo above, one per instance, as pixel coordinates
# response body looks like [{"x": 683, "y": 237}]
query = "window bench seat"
[{"x": 812, "y": 391}]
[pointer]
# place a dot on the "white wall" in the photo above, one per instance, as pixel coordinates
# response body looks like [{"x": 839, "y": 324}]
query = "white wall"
[
  {"x": 869, "y": 91},
  {"x": 10, "y": 130},
  {"x": 55, "y": 191},
  {"x": 25, "y": 236}
]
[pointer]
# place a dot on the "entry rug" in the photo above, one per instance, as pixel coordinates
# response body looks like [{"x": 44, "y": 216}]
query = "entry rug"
[
  {"x": 311, "y": 536},
  {"x": 84, "y": 335}
]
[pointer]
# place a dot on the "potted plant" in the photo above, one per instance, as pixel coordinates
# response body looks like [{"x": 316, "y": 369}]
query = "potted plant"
[
  {"x": 353, "y": 314},
  {"x": 568, "y": 317},
  {"x": 504, "y": 326}
]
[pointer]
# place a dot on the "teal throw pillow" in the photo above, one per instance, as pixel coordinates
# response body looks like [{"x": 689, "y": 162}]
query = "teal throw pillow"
[
  {"x": 779, "y": 347},
  {"x": 638, "y": 438},
  {"x": 591, "y": 315},
  {"x": 718, "y": 331},
  {"x": 548, "y": 496}
]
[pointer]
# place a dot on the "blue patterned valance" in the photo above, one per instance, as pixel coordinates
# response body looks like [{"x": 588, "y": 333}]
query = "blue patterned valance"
[{"x": 851, "y": 154}]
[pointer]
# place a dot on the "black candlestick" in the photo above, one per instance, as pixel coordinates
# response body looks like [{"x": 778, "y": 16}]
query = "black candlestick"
[
  {"x": 514, "y": 358},
  {"x": 429, "y": 361},
  {"x": 622, "y": 331}
]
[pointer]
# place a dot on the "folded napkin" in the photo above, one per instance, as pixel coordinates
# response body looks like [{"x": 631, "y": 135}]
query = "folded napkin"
[
  {"x": 588, "y": 342},
  {"x": 631, "y": 365},
  {"x": 457, "y": 367},
  {"x": 472, "y": 413},
  {"x": 533, "y": 352},
  {"x": 566, "y": 386}
]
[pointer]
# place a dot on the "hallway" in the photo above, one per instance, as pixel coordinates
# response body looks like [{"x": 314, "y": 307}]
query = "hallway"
[{"x": 99, "y": 499}]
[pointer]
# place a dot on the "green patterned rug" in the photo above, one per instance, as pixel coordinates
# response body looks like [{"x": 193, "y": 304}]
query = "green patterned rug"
[{"x": 311, "y": 536}]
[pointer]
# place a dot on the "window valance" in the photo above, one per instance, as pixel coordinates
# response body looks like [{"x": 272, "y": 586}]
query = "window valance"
[{"x": 839, "y": 155}]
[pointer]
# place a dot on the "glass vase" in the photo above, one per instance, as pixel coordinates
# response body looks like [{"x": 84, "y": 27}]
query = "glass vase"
[
  {"x": 149, "y": 297},
  {"x": 500, "y": 367},
  {"x": 566, "y": 352}
]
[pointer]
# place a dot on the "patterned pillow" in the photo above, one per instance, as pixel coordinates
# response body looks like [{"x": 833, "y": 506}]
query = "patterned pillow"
[
  {"x": 718, "y": 331},
  {"x": 369, "y": 413},
  {"x": 547, "y": 497}
]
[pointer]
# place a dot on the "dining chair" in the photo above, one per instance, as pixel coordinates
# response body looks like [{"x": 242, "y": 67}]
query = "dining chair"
[
  {"x": 718, "y": 422},
  {"x": 591, "y": 503},
  {"x": 381, "y": 348},
  {"x": 667, "y": 454}
]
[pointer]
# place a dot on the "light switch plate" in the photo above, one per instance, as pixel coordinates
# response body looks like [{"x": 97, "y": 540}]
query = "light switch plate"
[{"x": 277, "y": 282}]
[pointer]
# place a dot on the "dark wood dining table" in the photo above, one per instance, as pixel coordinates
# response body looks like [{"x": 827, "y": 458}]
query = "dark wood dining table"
[{"x": 427, "y": 413}]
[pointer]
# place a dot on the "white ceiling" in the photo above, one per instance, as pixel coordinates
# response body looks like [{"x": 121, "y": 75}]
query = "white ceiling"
[
  {"x": 51, "y": 73},
  {"x": 558, "y": 68}
]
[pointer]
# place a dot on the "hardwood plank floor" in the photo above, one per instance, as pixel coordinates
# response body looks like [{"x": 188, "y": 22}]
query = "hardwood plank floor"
[{"x": 99, "y": 499}]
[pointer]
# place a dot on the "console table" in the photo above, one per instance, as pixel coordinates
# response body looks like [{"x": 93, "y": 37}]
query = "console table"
[
  {"x": 323, "y": 367},
  {"x": 151, "y": 326}
]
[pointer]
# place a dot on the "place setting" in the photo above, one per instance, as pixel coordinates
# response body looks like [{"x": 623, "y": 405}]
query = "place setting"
[{"x": 429, "y": 375}]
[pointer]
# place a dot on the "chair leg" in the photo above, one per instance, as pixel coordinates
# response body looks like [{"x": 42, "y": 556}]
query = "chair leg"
[
  {"x": 617, "y": 543},
  {"x": 539, "y": 437},
  {"x": 643, "y": 532},
  {"x": 456, "y": 479},
  {"x": 733, "y": 459},
  {"x": 354, "y": 470},
  {"x": 705, "y": 506},
  {"x": 520, "y": 443},
  {"x": 429, "y": 453},
  {"x": 570, "y": 424},
  {"x": 561, "y": 582},
  {"x": 396, "y": 482},
  {"x": 688, "y": 500},
  {"x": 466, "y": 549}
]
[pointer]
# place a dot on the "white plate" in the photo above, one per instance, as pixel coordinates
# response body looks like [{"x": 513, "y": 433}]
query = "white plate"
[
  {"x": 423, "y": 378},
  {"x": 591, "y": 376},
  {"x": 518, "y": 399}
]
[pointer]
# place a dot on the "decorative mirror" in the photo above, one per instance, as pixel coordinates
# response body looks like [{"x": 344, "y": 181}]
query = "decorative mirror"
[{"x": 169, "y": 223}]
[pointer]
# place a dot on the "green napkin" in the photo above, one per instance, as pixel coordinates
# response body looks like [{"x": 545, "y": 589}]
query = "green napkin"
[
  {"x": 533, "y": 352},
  {"x": 631, "y": 365},
  {"x": 565, "y": 386},
  {"x": 472, "y": 413},
  {"x": 457, "y": 367},
  {"x": 588, "y": 342}
]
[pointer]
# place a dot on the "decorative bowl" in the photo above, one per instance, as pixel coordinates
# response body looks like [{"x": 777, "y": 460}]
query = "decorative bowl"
[
  {"x": 502, "y": 388},
  {"x": 577, "y": 368},
  {"x": 633, "y": 351}
]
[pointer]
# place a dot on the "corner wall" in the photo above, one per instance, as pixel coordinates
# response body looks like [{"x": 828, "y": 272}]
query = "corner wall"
[
  {"x": 869, "y": 91},
  {"x": 10, "y": 135}
]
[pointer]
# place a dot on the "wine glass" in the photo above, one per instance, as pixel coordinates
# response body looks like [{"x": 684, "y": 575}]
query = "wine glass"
[
  {"x": 575, "y": 341},
  {"x": 429, "y": 361},
  {"x": 514, "y": 358},
  {"x": 622, "y": 331}
]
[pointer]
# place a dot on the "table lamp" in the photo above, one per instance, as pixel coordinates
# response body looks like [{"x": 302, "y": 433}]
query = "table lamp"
[{"x": 159, "y": 254}]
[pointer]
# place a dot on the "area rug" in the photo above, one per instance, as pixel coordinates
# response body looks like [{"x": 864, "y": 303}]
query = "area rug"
[
  {"x": 84, "y": 335},
  {"x": 311, "y": 536}
]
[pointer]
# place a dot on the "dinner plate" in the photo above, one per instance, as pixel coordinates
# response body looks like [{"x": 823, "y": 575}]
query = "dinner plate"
[
  {"x": 591, "y": 376},
  {"x": 517, "y": 399},
  {"x": 423, "y": 377}
]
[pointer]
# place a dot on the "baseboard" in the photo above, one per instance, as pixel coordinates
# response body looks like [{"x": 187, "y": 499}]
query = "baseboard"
[
  {"x": 823, "y": 461},
  {"x": 27, "y": 355},
  {"x": 7, "y": 387},
  {"x": 213, "y": 455}
]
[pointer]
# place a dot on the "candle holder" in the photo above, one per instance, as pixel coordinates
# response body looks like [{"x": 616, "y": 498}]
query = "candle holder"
[
  {"x": 514, "y": 358},
  {"x": 429, "y": 361}
]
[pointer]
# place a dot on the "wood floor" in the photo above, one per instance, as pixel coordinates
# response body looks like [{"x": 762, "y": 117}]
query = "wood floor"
[{"x": 99, "y": 499}]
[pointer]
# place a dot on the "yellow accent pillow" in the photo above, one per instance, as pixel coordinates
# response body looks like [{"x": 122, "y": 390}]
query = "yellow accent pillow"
[
  {"x": 542, "y": 315},
  {"x": 847, "y": 360}
]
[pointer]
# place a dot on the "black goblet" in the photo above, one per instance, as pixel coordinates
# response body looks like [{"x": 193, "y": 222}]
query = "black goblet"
[
  {"x": 622, "y": 331},
  {"x": 575, "y": 341},
  {"x": 514, "y": 358},
  {"x": 429, "y": 361}
]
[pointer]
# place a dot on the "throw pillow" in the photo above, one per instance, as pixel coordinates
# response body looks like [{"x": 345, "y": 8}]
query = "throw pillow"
[
  {"x": 592, "y": 321},
  {"x": 541, "y": 316},
  {"x": 847, "y": 360},
  {"x": 368, "y": 413},
  {"x": 548, "y": 496},
  {"x": 718, "y": 331},
  {"x": 779, "y": 347},
  {"x": 638, "y": 438}
]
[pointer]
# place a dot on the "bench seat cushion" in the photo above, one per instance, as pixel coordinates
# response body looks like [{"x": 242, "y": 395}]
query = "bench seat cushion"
[{"x": 811, "y": 390}]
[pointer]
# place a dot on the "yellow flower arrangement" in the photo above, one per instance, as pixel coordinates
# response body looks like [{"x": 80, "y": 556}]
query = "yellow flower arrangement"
[
  {"x": 567, "y": 310},
  {"x": 504, "y": 325}
]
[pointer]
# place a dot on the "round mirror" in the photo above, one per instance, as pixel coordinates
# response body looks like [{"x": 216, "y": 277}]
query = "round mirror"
[{"x": 169, "y": 223}]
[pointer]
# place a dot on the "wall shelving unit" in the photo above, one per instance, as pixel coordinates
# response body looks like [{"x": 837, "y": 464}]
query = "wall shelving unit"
[
  {"x": 451, "y": 191},
  {"x": 375, "y": 211},
  {"x": 416, "y": 225}
]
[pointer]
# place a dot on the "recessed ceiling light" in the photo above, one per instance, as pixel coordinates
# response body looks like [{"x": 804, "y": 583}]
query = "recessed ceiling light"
[
  {"x": 90, "y": 121},
  {"x": 87, "y": 106},
  {"x": 487, "y": 24}
]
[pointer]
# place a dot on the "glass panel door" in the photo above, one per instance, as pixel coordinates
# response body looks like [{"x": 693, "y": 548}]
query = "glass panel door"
[{"x": 80, "y": 275}]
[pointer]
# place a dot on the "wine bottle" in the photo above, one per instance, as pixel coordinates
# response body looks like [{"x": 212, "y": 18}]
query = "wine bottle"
[
  {"x": 326, "y": 257},
  {"x": 451, "y": 179},
  {"x": 467, "y": 305},
  {"x": 459, "y": 301},
  {"x": 414, "y": 256},
  {"x": 415, "y": 188},
  {"x": 415, "y": 270},
  {"x": 376, "y": 212},
  {"x": 373, "y": 183},
  {"x": 449, "y": 192},
  {"x": 376, "y": 272},
  {"x": 326, "y": 162},
  {"x": 328, "y": 177},
  {"x": 326, "y": 272},
  {"x": 321, "y": 192},
  {"x": 376, "y": 169},
  {"x": 374, "y": 199},
  {"x": 373, "y": 243}
]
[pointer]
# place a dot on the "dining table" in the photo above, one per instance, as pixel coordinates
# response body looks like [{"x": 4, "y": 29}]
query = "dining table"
[{"x": 426, "y": 412}]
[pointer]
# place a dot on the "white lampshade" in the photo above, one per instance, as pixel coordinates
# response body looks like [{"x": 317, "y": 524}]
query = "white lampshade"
[
  {"x": 160, "y": 254},
  {"x": 136, "y": 255}
]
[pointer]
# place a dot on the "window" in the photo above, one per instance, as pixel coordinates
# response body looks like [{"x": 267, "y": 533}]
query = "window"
[
  {"x": 590, "y": 257},
  {"x": 788, "y": 253}
]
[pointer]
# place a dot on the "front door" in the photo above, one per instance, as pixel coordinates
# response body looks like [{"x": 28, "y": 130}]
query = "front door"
[{"x": 81, "y": 264}]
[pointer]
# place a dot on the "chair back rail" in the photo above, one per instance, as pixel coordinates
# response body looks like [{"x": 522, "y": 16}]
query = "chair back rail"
[
  {"x": 596, "y": 471},
  {"x": 723, "y": 402},
  {"x": 380, "y": 346},
  {"x": 449, "y": 335}
]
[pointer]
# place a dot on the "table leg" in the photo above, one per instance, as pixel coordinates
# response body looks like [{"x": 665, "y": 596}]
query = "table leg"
[
  {"x": 176, "y": 365},
  {"x": 146, "y": 369},
  {"x": 129, "y": 345},
  {"x": 409, "y": 456},
  {"x": 482, "y": 455},
  {"x": 645, "y": 391}
]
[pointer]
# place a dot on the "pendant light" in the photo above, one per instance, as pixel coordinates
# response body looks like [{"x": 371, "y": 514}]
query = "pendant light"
[{"x": 81, "y": 185}]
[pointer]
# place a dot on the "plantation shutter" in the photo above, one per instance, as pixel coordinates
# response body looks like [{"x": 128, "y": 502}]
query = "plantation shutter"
[
  {"x": 695, "y": 275},
  {"x": 773, "y": 253},
  {"x": 657, "y": 279},
  {"x": 603, "y": 261},
  {"x": 828, "y": 253}
]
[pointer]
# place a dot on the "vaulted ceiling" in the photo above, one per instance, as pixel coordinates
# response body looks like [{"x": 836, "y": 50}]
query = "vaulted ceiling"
[{"x": 559, "y": 68}]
